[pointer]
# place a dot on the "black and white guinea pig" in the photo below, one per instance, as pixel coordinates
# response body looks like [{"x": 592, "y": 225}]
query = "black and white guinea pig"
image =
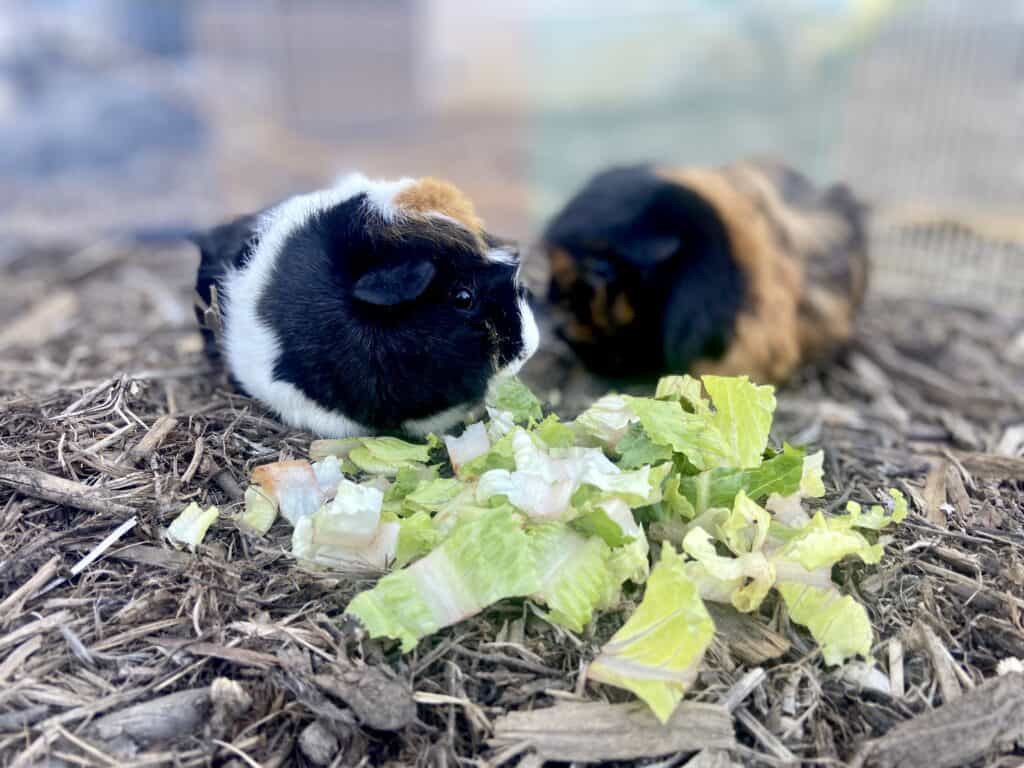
[
  {"x": 368, "y": 307},
  {"x": 748, "y": 268}
]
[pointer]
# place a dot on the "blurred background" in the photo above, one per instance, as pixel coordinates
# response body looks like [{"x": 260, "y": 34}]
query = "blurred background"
[{"x": 132, "y": 115}]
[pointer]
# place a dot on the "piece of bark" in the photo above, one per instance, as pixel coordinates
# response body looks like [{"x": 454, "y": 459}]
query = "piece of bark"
[
  {"x": 749, "y": 640},
  {"x": 934, "y": 495},
  {"x": 11, "y": 606},
  {"x": 156, "y": 434},
  {"x": 378, "y": 699},
  {"x": 984, "y": 720},
  {"x": 162, "y": 719},
  {"x": 589, "y": 732},
  {"x": 42, "y": 485},
  {"x": 991, "y": 466}
]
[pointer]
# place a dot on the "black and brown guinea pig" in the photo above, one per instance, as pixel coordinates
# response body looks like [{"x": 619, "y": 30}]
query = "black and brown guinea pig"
[
  {"x": 368, "y": 307},
  {"x": 744, "y": 269}
]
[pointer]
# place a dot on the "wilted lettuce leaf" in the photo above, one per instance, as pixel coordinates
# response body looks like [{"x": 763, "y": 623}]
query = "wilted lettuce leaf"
[
  {"x": 433, "y": 495},
  {"x": 554, "y": 434},
  {"x": 658, "y": 651},
  {"x": 878, "y": 517},
  {"x": 743, "y": 416},
  {"x": 744, "y": 580},
  {"x": 471, "y": 444},
  {"x": 189, "y": 528},
  {"x": 575, "y": 577},
  {"x": 607, "y": 420},
  {"x": 484, "y": 559},
  {"x": 636, "y": 449},
  {"x": 293, "y": 485},
  {"x": 838, "y": 623},
  {"x": 340, "y": 447},
  {"x": 260, "y": 510},
  {"x": 509, "y": 394},
  {"x": 498, "y": 457}
]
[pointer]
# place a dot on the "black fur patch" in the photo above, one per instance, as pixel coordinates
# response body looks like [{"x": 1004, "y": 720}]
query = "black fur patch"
[{"x": 665, "y": 248}]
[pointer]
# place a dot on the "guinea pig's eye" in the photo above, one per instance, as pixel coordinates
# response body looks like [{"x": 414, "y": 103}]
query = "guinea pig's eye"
[{"x": 462, "y": 298}]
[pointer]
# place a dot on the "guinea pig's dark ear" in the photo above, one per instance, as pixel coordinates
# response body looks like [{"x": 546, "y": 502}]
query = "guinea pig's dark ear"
[
  {"x": 395, "y": 284},
  {"x": 648, "y": 250},
  {"x": 229, "y": 244}
]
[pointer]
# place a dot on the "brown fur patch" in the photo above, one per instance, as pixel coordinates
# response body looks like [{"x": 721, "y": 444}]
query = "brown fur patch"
[
  {"x": 766, "y": 342},
  {"x": 430, "y": 195},
  {"x": 622, "y": 310},
  {"x": 563, "y": 269}
]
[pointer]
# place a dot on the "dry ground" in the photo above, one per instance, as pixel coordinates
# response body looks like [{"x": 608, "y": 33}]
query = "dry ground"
[{"x": 234, "y": 652}]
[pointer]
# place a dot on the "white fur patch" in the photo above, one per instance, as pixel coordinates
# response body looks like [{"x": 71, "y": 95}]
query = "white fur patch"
[
  {"x": 380, "y": 195},
  {"x": 250, "y": 347},
  {"x": 439, "y": 423},
  {"x": 531, "y": 340},
  {"x": 501, "y": 256}
]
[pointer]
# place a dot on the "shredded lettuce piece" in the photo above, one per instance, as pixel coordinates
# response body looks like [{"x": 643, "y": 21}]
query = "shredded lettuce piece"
[
  {"x": 838, "y": 623},
  {"x": 260, "y": 511},
  {"x": 433, "y": 495},
  {"x": 485, "y": 558},
  {"x": 293, "y": 485},
  {"x": 630, "y": 560},
  {"x": 471, "y": 444},
  {"x": 387, "y": 455},
  {"x": 686, "y": 390},
  {"x": 636, "y": 449},
  {"x": 575, "y": 577},
  {"x": 417, "y": 535},
  {"x": 509, "y": 394},
  {"x": 607, "y": 420},
  {"x": 554, "y": 434},
  {"x": 340, "y": 448},
  {"x": 500, "y": 456},
  {"x": 744, "y": 580},
  {"x": 657, "y": 653},
  {"x": 812, "y": 479},
  {"x": 348, "y": 531},
  {"x": 878, "y": 517},
  {"x": 780, "y": 474},
  {"x": 190, "y": 527},
  {"x": 743, "y": 416},
  {"x": 694, "y": 436}
]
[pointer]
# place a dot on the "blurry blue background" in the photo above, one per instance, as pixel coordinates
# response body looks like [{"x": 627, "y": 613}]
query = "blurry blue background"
[{"x": 126, "y": 114}]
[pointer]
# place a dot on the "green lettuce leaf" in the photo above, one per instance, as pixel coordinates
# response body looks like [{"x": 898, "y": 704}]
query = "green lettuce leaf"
[
  {"x": 500, "y": 456},
  {"x": 509, "y": 394},
  {"x": 484, "y": 559},
  {"x": 657, "y": 653},
  {"x": 743, "y": 581},
  {"x": 554, "y": 434},
  {"x": 433, "y": 495},
  {"x": 575, "y": 577},
  {"x": 743, "y": 416},
  {"x": 694, "y": 436},
  {"x": 636, "y": 449},
  {"x": 686, "y": 390},
  {"x": 781, "y": 474},
  {"x": 607, "y": 420},
  {"x": 190, "y": 527},
  {"x": 838, "y": 623},
  {"x": 417, "y": 535},
  {"x": 260, "y": 511}
]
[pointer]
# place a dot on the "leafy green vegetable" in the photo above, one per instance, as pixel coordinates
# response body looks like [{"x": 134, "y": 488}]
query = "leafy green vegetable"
[
  {"x": 657, "y": 652},
  {"x": 417, "y": 535},
  {"x": 575, "y": 577},
  {"x": 260, "y": 511},
  {"x": 189, "y": 528},
  {"x": 607, "y": 420},
  {"x": 554, "y": 434},
  {"x": 694, "y": 436},
  {"x": 498, "y": 457},
  {"x": 433, "y": 495},
  {"x": 838, "y": 623},
  {"x": 781, "y": 474},
  {"x": 509, "y": 394},
  {"x": 687, "y": 390},
  {"x": 484, "y": 559},
  {"x": 743, "y": 416},
  {"x": 636, "y": 449}
]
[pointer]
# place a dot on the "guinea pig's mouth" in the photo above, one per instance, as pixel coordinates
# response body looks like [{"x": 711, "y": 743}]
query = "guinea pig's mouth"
[{"x": 528, "y": 342}]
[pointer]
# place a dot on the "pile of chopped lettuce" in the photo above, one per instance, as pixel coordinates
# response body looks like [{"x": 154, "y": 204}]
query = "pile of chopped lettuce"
[{"x": 523, "y": 506}]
